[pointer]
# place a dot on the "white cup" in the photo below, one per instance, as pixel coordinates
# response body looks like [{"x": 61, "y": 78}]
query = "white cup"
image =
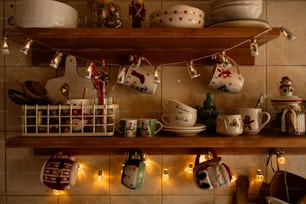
[
  {"x": 226, "y": 79},
  {"x": 176, "y": 106},
  {"x": 128, "y": 127},
  {"x": 254, "y": 120},
  {"x": 141, "y": 79},
  {"x": 148, "y": 127},
  {"x": 231, "y": 124},
  {"x": 179, "y": 119}
]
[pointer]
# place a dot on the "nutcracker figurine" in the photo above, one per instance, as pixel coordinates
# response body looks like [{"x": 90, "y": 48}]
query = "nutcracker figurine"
[{"x": 137, "y": 12}]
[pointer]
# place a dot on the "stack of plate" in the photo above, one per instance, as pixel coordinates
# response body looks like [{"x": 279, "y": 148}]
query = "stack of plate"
[
  {"x": 222, "y": 10},
  {"x": 185, "y": 131}
]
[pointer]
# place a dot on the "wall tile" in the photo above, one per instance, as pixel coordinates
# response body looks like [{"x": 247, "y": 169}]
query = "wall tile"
[
  {"x": 83, "y": 199},
  {"x": 195, "y": 199},
  {"x": 133, "y": 199},
  {"x": 31, "y": 199},
  {"x": 2, "y": 164},
  {"x": 291, "y": 15}
]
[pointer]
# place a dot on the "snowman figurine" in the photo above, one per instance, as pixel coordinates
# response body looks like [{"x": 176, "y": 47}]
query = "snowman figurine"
[{"x": 286, "y": 87}]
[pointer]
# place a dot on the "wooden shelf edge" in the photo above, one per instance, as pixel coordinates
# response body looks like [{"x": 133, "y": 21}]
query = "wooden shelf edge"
[{"x": 163, "y": 144}]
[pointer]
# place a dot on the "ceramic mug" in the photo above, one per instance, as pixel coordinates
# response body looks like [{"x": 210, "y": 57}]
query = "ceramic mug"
[
  {"x": 230, "y": 124},
  {"x": 179, "y": 119},
  {"x": 178, "y": 107},
  {"x": 148, "y": 127},
  {"x": 254, "y": 119},
  {"x": 127, "y": 127},
  {"x": 134, "y": 170},
  {"x": 59, "y": 171},
  {"x": 81, "y": 109},
  {"x": 141, "y": 79},
  {"x": 227, "y": 79}
]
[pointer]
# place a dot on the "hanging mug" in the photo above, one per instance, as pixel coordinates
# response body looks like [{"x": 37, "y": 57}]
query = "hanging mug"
[
  {"x": 138, "y": 77},
  {"x": 134, "y": 170},
  {"x": 212, "y": 173},
  {"x": 59, "y": 172}
]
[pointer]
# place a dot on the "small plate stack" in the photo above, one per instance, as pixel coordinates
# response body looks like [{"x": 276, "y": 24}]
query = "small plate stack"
[{"x": 221, "y": 10}]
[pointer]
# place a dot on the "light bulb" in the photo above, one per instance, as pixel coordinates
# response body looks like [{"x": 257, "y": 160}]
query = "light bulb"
[
  {"x": 5, "y": 47},
  {"x": 156, "y": 78},
  {"x": 254, "y": 48},
  {"x": 289, "y": 35},
  {"x": 100, "y": 175},
  {"x": 56, "y": 60},
  {"x": 165, "y": 175},
  {"x": 189, "y": 168},
  {"x": 281, "y": 159},
  {"x": 89, "y": 70},
  {"x": 121, "y": 75},
  {"x": 56, "y": 192},
  {"x": 27, "y": 46},
  {"x": 259, "y": 176},
  {"x": 193, "y": 73}
]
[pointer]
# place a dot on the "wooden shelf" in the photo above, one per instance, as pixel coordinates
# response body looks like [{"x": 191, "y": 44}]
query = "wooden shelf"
[
  {"x": 159, "y": 45},
  {"x": 162, "y": 144}
]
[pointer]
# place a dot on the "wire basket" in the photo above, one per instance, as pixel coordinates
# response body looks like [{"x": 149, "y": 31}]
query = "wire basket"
[{"x": 69, "y": 120}]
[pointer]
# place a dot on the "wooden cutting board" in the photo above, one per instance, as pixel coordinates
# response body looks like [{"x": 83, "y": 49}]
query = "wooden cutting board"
[{"x": 76, "y": 84}]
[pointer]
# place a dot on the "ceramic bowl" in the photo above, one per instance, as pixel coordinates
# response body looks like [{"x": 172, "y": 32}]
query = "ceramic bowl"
[
  {"x": 45, "y": 14},
  {"x": 177, "y": 21},
  {"x": 238, "y": 11},
  {"x": 178, "y": 9}
]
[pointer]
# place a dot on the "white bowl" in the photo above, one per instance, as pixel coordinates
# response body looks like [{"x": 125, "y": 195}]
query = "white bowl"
[
  {"x": 237, "y": 11},
  {"x": 217, "y": 6},
  {"x": 177, "y": 21},
  {"x": 45, "y": 14},
  {"x": 178, "y": 9}
]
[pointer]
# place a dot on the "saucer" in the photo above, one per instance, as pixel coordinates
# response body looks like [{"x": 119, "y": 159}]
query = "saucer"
[
  {"x": 241, "y": 23},
  {"x": 191, "y": 132},
  {"x": 195, "y": 127}
]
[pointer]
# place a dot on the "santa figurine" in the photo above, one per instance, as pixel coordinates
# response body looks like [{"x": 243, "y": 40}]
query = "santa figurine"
[{"x": 137, "y": 12}]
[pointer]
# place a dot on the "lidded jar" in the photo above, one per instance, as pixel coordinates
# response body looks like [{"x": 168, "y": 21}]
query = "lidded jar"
[{"x": 289, "y": 110}]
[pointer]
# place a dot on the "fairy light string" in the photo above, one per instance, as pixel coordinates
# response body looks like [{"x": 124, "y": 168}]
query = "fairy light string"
[{"x": 184, "y": 62}]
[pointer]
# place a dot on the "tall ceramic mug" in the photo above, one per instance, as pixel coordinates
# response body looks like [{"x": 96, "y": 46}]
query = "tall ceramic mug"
[
  {"x": 254, "y": 119},
  {"x": 229, "y": 124},
  {"x": 148, "y": 127}
]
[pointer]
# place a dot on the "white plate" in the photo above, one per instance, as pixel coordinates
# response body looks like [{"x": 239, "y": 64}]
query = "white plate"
[
  {"x": 195, "y": 127},
  {"x": 242, "y": 23},
  {"x": 184, "y": 132}
]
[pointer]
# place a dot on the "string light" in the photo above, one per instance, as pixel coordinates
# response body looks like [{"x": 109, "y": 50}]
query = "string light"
[
  {"x": 289, "y": 35},
  {"x": 56, "y": 60},
  {"x": 254, "y": 48},
  {"x": 5, "y": 47},
  {"x": 100, "y": 175},
  {"x": 165, "y": 175},
  {"x": 192, "y": 71},
  {"x": 156, "y": 78},
  {"x": 189, "y": 168},
  {"x": 27, "y": 46},
  {"x": 89, "y": 69},
  {"x": 259, "y": 176},
  {"x": 281, "y": 159}
]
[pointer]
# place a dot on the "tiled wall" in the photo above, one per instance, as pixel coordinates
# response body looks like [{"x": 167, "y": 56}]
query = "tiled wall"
[{"x": 20, "y": 168}]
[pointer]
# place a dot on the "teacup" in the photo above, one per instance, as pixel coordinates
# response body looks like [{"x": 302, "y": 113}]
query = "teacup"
[
  {"x": 148, "y": 127},
  {"x": 179, "y": 119},
  {"x": 227, "y": 79},
  {"x": 254, "y": 120},
  {"x": 229, "y": 124},
  {"x": 176, "y": 106}
]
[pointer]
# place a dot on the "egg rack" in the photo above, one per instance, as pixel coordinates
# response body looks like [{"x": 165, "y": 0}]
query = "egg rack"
[{"x": 69, "y": 120}]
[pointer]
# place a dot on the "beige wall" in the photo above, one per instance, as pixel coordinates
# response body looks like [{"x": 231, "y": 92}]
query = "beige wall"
[{"x": 20, "y": 168}]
